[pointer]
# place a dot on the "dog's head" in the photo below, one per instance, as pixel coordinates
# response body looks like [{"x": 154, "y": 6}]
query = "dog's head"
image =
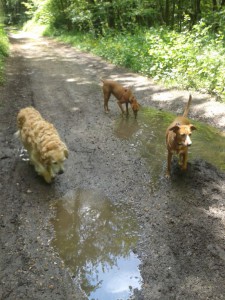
[
  {"x": 27, "y": 114},
  {"x": 134, "y": 105},
  {"x": 183, "y": 133},
  {"x": 54, "y": 155}
]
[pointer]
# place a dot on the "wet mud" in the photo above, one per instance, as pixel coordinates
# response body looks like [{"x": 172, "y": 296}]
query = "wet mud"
[{"x": 113, "y": 195}]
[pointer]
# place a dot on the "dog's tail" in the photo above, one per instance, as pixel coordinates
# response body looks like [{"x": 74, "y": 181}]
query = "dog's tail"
[{"x": 187, "y": 108}]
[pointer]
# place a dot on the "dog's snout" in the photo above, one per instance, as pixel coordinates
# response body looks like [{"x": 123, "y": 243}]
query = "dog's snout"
[
  {"x": 188, "y": 141},
  {"x": 61, "y": 171}
]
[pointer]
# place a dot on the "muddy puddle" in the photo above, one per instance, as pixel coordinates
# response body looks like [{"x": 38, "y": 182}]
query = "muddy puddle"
[
  {"x": 147, "y": 135},
  {"x": 96, "y": 240}
]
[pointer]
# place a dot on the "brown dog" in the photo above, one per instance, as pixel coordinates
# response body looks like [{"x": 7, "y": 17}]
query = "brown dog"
[
  {"x": 122, "y": 94},
  {"x": 46, "y": 151},
  {"x": 178, "y": 139}
]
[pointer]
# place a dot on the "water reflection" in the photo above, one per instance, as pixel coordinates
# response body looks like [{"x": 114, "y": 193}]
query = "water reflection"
[
  {"x": 115, "y": 281},
  {"x": 126, "y": 127},
  {"x": 208, "y": 143},
  {"x": 149, "y": 139},
  {"x": 95, "y": 240}
]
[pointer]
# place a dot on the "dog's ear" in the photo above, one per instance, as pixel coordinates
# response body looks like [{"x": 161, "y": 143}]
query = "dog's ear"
[
  {"x": 193, "y": 127},
  {"x": 139, "y": 105},
  {"x": 175, "y": 128},
  {"x": 44, "y": 157}
]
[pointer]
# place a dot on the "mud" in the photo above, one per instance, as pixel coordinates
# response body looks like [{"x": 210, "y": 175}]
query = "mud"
[{"x": 181, "y": 221}]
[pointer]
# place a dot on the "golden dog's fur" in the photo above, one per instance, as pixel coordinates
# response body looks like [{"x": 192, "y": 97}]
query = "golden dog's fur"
[
  {"x": 123, "y": 95},
  {"x": 46, "y": 151},
  {"x": 178, "y": 139}
]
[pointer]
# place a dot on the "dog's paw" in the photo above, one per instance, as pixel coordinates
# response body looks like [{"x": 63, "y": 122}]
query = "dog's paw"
[
  {"x": 48, "y": 179},
  {"x": 167, "y": 176}
]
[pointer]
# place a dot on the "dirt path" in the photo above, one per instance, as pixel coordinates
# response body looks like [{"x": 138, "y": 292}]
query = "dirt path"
[{"x": 182, "y": 222}]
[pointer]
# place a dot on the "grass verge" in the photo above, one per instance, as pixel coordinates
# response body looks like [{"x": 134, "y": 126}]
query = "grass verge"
[
  {"x": 4, "y": 51},
  {"x": 190, "y": 60}
]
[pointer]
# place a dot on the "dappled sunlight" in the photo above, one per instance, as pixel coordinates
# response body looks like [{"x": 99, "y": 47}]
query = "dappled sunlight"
[
  {"x": 216, "y": 212},
  {"x": 212, "y": 110},
  {"x": 95, "y": 237},
  {"x": 24, "y": 35},
  {"x": 75, "y": 109},
  {"x": 78, "y": 80},
  {"x": 42, "y": 50},
  {"x": 71, "y": 80}
]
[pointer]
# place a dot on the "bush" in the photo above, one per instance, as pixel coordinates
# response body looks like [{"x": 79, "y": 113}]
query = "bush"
[
  {"x": 193, "y": 59},
  {"x": 4, "y": 51}
]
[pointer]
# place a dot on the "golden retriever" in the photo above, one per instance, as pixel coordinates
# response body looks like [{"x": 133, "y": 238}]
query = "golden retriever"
[{"x": 40, "y": 138}]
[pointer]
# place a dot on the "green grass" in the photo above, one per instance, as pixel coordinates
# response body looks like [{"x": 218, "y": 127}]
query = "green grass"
[{"x": 4, "y": 51}]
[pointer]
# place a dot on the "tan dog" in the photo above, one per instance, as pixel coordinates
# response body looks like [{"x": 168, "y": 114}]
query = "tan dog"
[
  {"x": 46, "y": 151},
  {"x": 122, "y": 94},
  {"x": 178, "y": 139}
]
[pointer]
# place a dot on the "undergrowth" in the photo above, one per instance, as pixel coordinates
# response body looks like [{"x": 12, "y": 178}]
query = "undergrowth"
[
  {"x": 4, "y": 51},
  {"x": 191, "y": 60}
]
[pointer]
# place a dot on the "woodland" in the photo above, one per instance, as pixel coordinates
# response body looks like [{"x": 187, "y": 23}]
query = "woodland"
[{"x": 176, "y": 42}]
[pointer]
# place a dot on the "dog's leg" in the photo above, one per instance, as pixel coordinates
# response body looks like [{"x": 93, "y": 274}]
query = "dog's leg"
[
  {"x": 121, "y": 107},
  {"x": 169, "y": 158},
  {"x": 184, "y": 160},
  {"x": 181, "y": 159},
  {"x": 33, "y": 158},
  {"x": 106, "y": 99},
  {"x": 47, "y": 176},
  {"x": 127, "y": 111},
  {"x": 44, "y": 172}
]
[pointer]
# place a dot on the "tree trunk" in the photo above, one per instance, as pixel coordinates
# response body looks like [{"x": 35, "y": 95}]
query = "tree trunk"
[
  {"x": 167, "y": 12},
  {"x": 214, "y": 4}
]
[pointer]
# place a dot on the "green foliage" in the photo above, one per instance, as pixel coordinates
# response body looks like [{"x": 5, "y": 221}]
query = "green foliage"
[
  {"x": 100, "y": 15},
  {"x": 14, "y": 11},
  {"x": 194, "y": 59},
  {"x": 4, "y": 50},
  {"x": 184, "y": 48},
  {"x": 94, "y": 16}
]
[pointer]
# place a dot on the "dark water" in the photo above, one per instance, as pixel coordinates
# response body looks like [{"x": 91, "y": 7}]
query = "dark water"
[
  {"x": 147, "y": 134},
  {"x": 95, "y": 239}
]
